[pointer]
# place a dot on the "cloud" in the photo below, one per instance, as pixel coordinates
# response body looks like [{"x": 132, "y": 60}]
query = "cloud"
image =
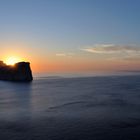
[
  {"x": 65, "y": 54},
  {"x": 60, "y": 54},
  {"x": 112, "y": 48}
]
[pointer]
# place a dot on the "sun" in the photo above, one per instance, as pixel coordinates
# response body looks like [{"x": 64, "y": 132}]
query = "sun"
[{"x": 12, "y": 60}]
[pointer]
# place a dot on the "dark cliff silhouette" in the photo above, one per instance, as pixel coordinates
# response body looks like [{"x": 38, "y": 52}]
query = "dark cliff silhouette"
[{"x": 21, "y": 72}]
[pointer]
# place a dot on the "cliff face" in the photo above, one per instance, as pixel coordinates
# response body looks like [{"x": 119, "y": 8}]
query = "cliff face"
[{"x": 19, "y": 72}]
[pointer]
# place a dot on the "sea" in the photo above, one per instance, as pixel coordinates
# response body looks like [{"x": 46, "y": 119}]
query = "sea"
[{"x": 71, "y": 108}]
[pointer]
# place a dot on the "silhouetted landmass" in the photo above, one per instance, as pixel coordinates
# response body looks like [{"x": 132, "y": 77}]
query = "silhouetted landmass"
[{"x": 19, "y": 72}]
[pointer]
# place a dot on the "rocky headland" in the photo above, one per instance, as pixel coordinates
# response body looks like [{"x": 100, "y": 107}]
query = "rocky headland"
[{"x": 20, "y": 72}]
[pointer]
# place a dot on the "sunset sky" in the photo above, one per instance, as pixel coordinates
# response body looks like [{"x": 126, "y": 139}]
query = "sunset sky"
[{"x": 71, "y": 35}]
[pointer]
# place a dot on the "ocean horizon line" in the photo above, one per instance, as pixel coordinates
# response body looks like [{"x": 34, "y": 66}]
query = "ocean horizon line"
[{"x": 82, "y": 75}]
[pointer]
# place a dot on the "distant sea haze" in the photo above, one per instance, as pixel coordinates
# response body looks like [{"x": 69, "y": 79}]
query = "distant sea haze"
[
  {"x": 84, "y": 74},
  {"x": 78, "y": 108}
]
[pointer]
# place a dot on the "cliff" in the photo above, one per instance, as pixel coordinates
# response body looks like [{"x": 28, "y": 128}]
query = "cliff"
[{"x": 19, "y": 72}]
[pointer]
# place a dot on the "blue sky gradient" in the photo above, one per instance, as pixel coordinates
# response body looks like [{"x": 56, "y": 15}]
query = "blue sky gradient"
[{"x": 81, "y": 21}]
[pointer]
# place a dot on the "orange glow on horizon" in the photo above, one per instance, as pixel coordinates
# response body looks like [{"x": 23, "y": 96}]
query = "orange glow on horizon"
[
  {"x": 81, "y": 66},
  {"x": 43, "y": 60}
]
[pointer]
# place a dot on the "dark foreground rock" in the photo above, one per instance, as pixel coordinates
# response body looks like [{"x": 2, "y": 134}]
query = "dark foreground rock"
[{"x": 19, "y": 72}]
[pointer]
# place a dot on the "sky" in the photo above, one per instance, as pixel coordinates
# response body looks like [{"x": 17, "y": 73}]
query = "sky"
[{"x": 72, "y": 35}]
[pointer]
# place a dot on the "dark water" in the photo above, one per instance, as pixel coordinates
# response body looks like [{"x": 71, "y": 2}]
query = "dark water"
[{"x": 96, "y": 108}]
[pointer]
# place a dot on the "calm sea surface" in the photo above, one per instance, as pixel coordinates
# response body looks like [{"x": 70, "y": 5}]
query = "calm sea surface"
[{"x": 94, "y": 108}]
